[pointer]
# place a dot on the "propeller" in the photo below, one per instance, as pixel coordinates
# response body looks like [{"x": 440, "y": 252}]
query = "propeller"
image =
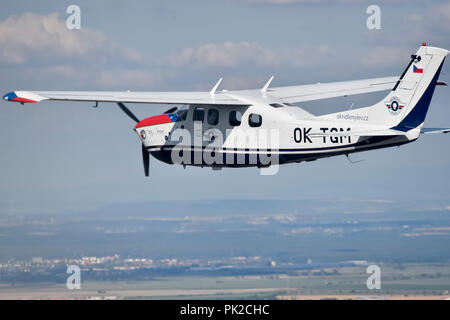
[
  {"x": 127, "y": 111},
  {"x": 145, "y": 154},
  {"x": 171, "y": 110},
  {"x": 146, "y": 160}
]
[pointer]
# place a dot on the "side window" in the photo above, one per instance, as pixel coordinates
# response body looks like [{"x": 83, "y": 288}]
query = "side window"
[
  {"x": 254, "y": 120},
  {"x": 235, "y": 118},
  {"x": 213, "y": 117},
  {"x": 199, "y": 114}
]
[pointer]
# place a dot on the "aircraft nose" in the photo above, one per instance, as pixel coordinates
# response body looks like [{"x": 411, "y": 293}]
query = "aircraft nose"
[
  {"x": 141, "y": 133},
  {"x": 161, "y": 119}
]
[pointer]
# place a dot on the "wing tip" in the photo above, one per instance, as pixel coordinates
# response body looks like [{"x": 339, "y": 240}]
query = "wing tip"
[{"x": 22, "y": 97}]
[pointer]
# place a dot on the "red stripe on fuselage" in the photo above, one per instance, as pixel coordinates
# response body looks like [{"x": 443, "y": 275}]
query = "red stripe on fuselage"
[{"x": 163, "y": 118}]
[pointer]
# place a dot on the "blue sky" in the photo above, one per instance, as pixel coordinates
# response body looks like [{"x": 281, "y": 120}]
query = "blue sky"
[{"x": 64, "y": 157}]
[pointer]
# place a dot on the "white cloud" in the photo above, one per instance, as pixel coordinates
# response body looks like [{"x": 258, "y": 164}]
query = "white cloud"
[
  {"x": 386, "y": 56},
  {"x": 282, "y": 2},
  {"x": 431, "y": 26},
  {"x": 231, "y": 54},
  {"x": 413, "y": 18},
  {"x": 225, "y": 54},
  {"x": 30, "y": 37},
  {"x": 121, "y": 80},
  {"x": 440, "y": 15},
  {"x": 41, "y": 49}
]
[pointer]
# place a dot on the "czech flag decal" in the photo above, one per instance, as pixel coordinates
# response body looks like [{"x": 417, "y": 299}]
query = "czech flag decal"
[{"x": 417, "y": 70}]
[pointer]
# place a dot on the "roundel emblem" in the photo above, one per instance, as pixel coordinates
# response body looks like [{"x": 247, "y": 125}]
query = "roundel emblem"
[
  {"x": 395, "y": 105},
  {"x": 142, "y": 134}
]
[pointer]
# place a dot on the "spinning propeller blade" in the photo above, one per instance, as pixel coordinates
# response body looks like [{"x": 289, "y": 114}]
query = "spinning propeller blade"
[
  {"x": 145, "y": 154},
  {"x": 172, "y": 110},
  {"x": 127, "y": 111},
  {"x": 146, "y": 160}
]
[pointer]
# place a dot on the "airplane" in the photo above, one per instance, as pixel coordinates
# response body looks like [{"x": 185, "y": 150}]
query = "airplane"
[{"x": 263, "y": 127}]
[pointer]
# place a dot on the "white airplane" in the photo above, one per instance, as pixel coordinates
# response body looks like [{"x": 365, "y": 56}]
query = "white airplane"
[{"x": 223, "y": 128}]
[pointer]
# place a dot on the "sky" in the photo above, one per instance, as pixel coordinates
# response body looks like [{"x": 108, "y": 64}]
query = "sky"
[{"x": 64, "y": 157}]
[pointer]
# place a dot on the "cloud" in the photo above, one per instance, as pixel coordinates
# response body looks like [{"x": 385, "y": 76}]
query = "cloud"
[
  {"x": 41, "y": 49},
  {"x": 440, "y": 16},
  {"x": 431, "y": 26},
  {"x": 225, "y": 54},
  {"x": 32, "y": 38},
  {"x": 121, "y": 80},
  {"x": 283, "y": 2},
  {"x": 232, "y": 54},
  {"x": 386, "y": 56}
]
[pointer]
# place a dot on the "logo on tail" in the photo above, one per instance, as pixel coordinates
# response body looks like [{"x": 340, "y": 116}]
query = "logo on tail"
[{"x": 395, "y": 105}]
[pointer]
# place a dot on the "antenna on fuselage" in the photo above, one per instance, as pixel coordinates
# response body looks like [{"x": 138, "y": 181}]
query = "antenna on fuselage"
[
  {"x": 266, "y": 86},
  {"x": 213, "y": 90},
  {"x": 350, "y": 160}
]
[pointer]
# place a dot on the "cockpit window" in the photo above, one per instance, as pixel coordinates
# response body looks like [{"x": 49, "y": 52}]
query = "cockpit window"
[
  {"x": 199, "y": 114},
  {"x": 181, "y": 114},
  {"x": 213, "y": 117}
]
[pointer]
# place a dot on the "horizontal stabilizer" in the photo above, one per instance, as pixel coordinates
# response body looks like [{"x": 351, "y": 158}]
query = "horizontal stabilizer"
[{"x": 434, "y": 130}]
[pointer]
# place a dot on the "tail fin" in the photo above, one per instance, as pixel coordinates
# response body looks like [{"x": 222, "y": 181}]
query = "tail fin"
[
  {"x": 422, "y": 77},
  {"x": 406, "y": 106}
]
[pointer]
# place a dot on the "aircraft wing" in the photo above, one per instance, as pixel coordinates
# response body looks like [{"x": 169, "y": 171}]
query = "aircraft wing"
[
  {"x": 290, "y": 94},
  {"x": 318, "y": 91},
  {"x": 219, "y": 98}
]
